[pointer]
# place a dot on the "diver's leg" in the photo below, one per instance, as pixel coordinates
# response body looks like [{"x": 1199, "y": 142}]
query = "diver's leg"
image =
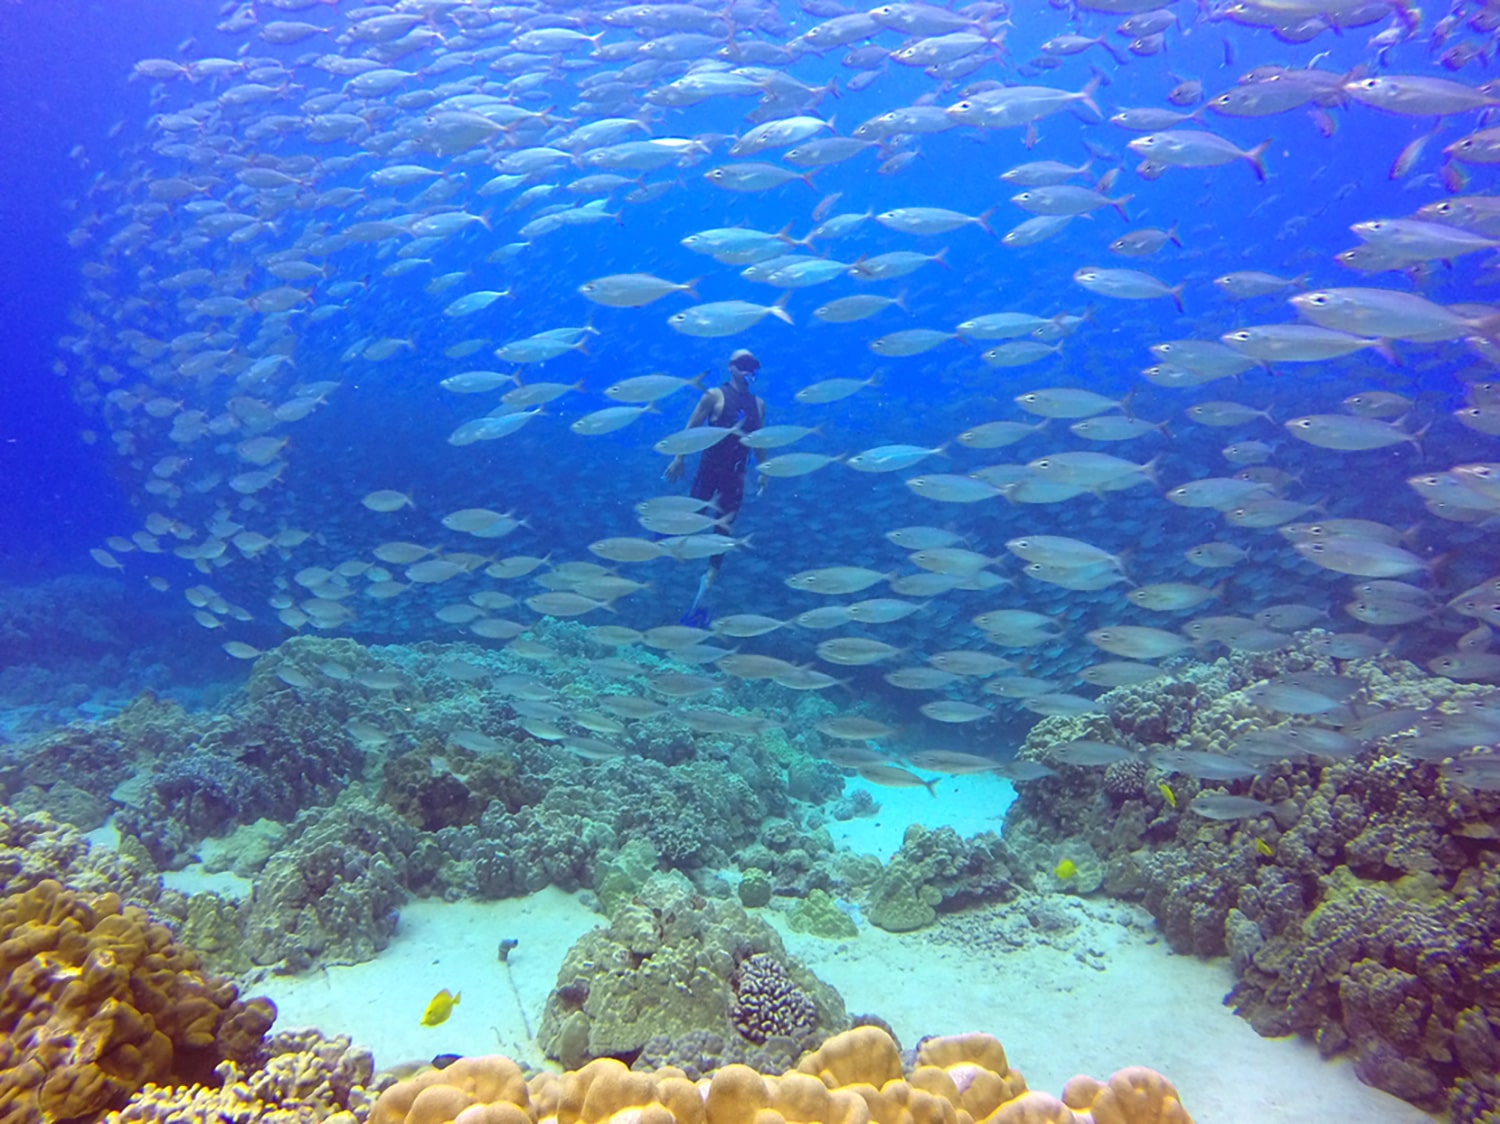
[
  {"x": 704, "y": 487},
  {"x": 711, "y": 574},
  {"x": 731, "y": 495}
]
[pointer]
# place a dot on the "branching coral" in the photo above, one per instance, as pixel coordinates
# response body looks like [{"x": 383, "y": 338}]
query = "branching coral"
[{"x": 306, "y": 1079}]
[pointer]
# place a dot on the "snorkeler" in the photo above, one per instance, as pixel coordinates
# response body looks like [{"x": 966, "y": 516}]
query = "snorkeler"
[{"x": 721, "y": 468}]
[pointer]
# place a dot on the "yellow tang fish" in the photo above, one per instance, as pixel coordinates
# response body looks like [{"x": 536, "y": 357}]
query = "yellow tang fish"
[
  {"x": 1264, "y": 848},
  {"x": 1167, "y": 794},
  {"x": 1065, "y": 870},
  {"x": 441, "y": 1007}
]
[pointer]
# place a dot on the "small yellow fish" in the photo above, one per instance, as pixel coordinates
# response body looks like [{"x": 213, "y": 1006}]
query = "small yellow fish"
[
  {"x": 441, "y": 1007},
  {"x": 1065, "y": 870},
  {"x": 1264, "y": 848},
  {"x": 1167, "y": 794}
]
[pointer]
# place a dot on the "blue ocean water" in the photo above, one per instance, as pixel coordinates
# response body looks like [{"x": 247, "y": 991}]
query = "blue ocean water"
[
  {"x": 83, "y": 170},
  {"x": 572, "y": 491}
]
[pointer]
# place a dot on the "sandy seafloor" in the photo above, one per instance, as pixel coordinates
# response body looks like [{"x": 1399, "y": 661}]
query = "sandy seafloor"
[{"x": 1111, "y": 995}]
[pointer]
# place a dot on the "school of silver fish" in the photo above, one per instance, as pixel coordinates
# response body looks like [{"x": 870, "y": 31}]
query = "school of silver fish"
[{"x": 279, "y": 188}]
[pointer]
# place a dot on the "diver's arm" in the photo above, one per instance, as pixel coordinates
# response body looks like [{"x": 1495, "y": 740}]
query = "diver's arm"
[{"x": 701, "y": 412}]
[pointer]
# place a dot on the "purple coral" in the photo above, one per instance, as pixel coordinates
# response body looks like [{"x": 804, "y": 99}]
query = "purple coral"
[{"x": 767, "y": 1003}]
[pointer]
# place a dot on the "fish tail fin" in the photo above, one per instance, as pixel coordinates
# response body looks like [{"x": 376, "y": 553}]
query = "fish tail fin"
[
  {"x": 1119, "y": 206},
  {"x": 1384, "y": 349},
  {"x": 931, "y": 787},
  {"x": 457, "y": 995},
  {"x": 807, "y": 178},
  {"x": 983, "y": 222},
  {"x": 1176, "y": 294},
  {"x": 1172, "y": 236},
  {"x": 691, "y": 287},
  {"x": 941, "y": 258},
  {"x": 778, "y": 308},
  {"x": 1149, "y": 469},
  {"x": 899, "y": 300},
  {"x": 1416, "y": 438},
  {"x": 1256, "y": 156},
  {"x": 1086, "y": 95}
]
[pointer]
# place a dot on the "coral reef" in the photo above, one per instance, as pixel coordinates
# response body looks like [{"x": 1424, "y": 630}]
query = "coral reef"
[
  {"x": 820, "y": 915},
  {"x": 401, "y": 771},
  {"x": 1360, "y": 916},
  {"x": 93, "y": 758},
  {"x": 671, "y": 963},
  {"x": 332, "y": 896},
  {"x": 855, "y": 1076},
  {"x": 939, "y": 870},
  {"x": 303, "y": 1077},
  {"x": 99, "y": 1001},
  {"x": 34, "y": 848}
]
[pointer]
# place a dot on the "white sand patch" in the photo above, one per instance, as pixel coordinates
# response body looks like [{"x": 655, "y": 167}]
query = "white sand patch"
[
  {"x": 195, "y": 880},
  {"x": 438, "y": 945},
  {"x": 969, "y": 805}
]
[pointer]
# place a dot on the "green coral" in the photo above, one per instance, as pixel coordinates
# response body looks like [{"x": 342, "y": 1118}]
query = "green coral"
[
  {"x": 939, "y": 869},
  {"x": 755, "y": 888},
  {"x": 246, "y": 850},
  {"x": 819, "y": 915},
  {"x": 899, "y": 903},
  {"x": 621, "y": 878},
  {"x": 212, "y": 929}
]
